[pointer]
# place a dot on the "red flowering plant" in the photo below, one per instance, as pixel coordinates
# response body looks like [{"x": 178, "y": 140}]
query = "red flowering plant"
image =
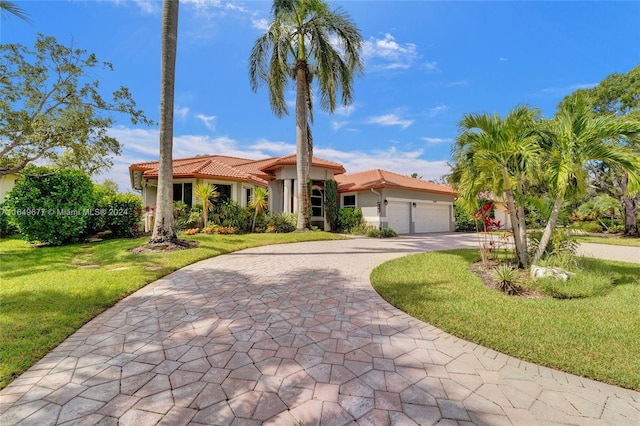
[{"x": 485, "y": 224}]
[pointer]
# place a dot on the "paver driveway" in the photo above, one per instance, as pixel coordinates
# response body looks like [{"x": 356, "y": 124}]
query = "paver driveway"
[{"x": 287, "y": 335}]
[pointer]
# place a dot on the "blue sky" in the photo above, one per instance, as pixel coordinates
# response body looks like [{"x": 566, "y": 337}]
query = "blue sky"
[{"x": 426, "y": 64}]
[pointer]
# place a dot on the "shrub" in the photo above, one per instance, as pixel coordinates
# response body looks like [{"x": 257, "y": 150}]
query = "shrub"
[
  {"x": 349, "y": 218},
  {"x": 361, "y": 229},
  {"x": 51, "y": 205},
  {"x": 230, "y": 214},
  {"x": 123, "y": 213},
  {"x": 282, "y": 223},
  {"x": 561, "y": 243},
  {"x": 463, "y": 218},
  {"x": 210, "y": 229},
  {"x": 505, "y": 276},
  {"x": 373, "y": 233},
  {"x": 615, "y": 229},
  {"x": 381, "y": 233},
  {"x": 7, "y": 227},
  {"x": 591, "y": 227},
  {"x": 192, "y": 231},
  {"x": 331, "y": 202}
]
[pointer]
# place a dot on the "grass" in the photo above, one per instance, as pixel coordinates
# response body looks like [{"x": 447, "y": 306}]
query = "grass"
[
  {"x": 596, "y": 337},
  {"x": 608, "y": 239},
  {"x": 47, "y": 293}
]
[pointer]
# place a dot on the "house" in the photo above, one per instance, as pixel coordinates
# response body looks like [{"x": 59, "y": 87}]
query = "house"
[
  {"x": 7, "y": 182},
  {"x": 405, "y": 204}
]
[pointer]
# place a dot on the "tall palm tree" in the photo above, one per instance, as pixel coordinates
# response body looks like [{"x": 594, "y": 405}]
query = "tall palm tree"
[
  {"x": 164, "y": 230},
  {"x": 306, "y": 40},
  {"x": 575, "y": 137},
  {"x": 259, "y": 203},
  {"x": 206, "y": 193},
  {"x": 498, "y": 155},
  {"x": 9, "y": 7}
]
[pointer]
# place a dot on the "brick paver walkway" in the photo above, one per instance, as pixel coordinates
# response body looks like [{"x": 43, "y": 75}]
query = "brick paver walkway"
[{"x": 293, "y": 335}]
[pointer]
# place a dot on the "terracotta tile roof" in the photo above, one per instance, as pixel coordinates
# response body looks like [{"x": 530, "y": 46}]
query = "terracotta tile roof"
[
  {"x": 229, "y": 168},
  {"x": 378, "y": 179},
  {"x": 290, "y": 160}
]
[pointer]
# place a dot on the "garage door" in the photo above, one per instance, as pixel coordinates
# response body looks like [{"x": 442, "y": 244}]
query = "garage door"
[
  {"x": 432, "y": 217},
  {"x": 398, "y": 214}
]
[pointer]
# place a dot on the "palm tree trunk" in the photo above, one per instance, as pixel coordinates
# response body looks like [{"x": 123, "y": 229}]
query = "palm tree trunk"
[
  {"x": 521, "y": 251},
  {"x": 164, "y": 230},
  {"x": 548, "y": 230},
  {"x": 630, "y": 209},
  {"x": 302, "y": 147}
]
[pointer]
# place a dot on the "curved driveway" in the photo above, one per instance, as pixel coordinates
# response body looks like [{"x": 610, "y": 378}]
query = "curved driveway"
[{"x": 293, "y": 335}]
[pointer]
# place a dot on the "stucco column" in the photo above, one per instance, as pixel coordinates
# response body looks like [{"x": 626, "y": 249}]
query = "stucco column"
[
  {"x": 295, "y": 196},
  {"x": 287, "y": 196}
]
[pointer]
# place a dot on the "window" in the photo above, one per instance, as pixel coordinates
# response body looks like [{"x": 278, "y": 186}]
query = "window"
[
  {"x": 316, "y": 203},
  {"x": 348, "y": 201},
  {"x": 183, "y": 192},
  {"x": 247, "y": 196},
  {"x": 225, "y": 193}
]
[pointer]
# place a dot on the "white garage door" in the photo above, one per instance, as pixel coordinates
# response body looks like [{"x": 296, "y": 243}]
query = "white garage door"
[
  {"x": 432, "y": 217},
  {"x": 398, "y": 214}
]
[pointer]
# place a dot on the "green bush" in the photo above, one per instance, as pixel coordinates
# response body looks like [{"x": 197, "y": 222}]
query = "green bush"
[
  {"x": 230, "y": 214},
  {"x": 381, "y": 233},
  {"x": 590, "y": 227},
  {"x": 282, "y": 223},
  {"x": 616, "y": 229},
  {"x": 463, "y": 218},
  {"x": 561, "y": 243},
  {"x": 331, "y": 202},
  {"x": 51, "y": 205},
  {"x": 123, "y": 213},
  {"x": 349, "y": 218},
  {"x": 7, "y": 227}
]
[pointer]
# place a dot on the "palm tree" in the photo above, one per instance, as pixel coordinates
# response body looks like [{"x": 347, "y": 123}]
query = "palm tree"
[
  {"x": 259, "y": 203},
  {"x": 9, "y": 7},
  {"x": 498, "y": 155},
  {"x": 306, "y": 40},
  {"x": 575, "y": 137},
  {"x": 164, "y": 230},
  {"x": 206, "y": 193}
]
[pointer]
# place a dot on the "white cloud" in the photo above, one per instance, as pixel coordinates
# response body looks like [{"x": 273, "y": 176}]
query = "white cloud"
[
  {"x": 431, "y": 67},
  {"x": 437, "y": 140},
  {"x": 567, "y": 89},
  {"x": 181, "y": 112},
  {"x": 146, "y": 6},
  {"x": 387, "y": 54},
  {"x": 437, "y": 110},
  {"x": 344, "y": 111},
  {"x": 261, "y": 24},
  {"x": 390, "y": 120},
  {"x": 459, "y": 83},
  {"x": 208, "y": 120},
  {"x": 392, "y": 159},
  {"x": 504, "y": 59},
  {"x": 273, "y": 147},
  {"x": 337, "y": 125}
]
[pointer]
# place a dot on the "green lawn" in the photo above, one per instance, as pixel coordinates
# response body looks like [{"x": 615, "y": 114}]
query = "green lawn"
[
  {"x": 608, "y": 239},
  {"x": 596, "y": 337},
  {"x": 47, "y": 293}
]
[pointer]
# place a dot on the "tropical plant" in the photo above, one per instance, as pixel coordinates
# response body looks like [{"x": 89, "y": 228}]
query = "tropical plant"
[
  {"x": 259, "y": 203},
  {"x": 9, "y": 7},
  {"x": 599, "y": 206},
  {"x": 498, "y": 155},
  {"x": 164, "y": 229},
  {"x": 306, "y": 40},
  {"x": 206, "y": 193},
  {"x": 282, "y": 223},
  {"x": 505, "y": 276},
  {"x": 618, "y": 94},
  {"x": 123, "y": 214},
  {"x": 575, "y": 137}
]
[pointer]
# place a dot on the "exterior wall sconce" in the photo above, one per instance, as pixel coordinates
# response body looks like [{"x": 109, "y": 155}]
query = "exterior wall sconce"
[
  {"x": 386, "y": 202},
  {"x": 414, "y": 204}
]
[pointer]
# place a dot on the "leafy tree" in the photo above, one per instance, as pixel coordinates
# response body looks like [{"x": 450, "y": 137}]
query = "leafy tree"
[
  {"x": 51, "y": 107},
  {"x": 500, "y": 156},
  {"x": 598, "y": 207},
  {"x": 305, "y": 41},
  {"x": 259, "y": 203},
  {"x": 575, "y": 137},
  {"x": 206, "y": 193},
  {"x": 415, "y": 175},
  {"x": 618, "y": 94},
  {"x": 164, "y": 229},
  {"x": 9, "y": 7},
  {"x": 51, "y": 205}
]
